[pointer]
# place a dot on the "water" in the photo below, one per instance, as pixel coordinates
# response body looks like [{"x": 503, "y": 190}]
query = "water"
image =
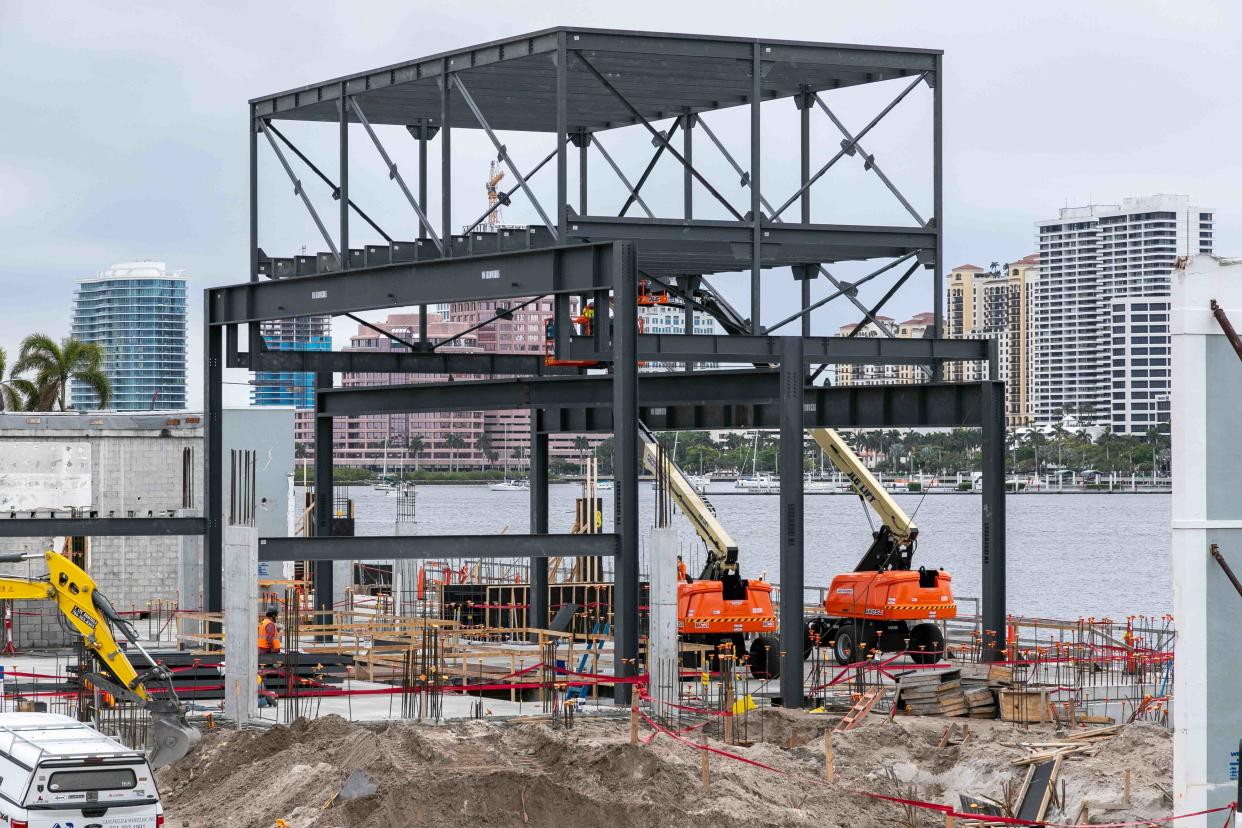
[{"x": 1070, "y": 555}]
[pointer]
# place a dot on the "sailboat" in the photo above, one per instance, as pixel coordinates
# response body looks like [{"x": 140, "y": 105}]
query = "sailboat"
[{"x": 757, "y": 483}]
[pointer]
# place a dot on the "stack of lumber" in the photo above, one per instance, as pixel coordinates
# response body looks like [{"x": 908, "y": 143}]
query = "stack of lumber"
[
  {"x": 981, "y": 702},
  {"x": 933, "y": 693},
  {"x": 1085, "y": 742}
]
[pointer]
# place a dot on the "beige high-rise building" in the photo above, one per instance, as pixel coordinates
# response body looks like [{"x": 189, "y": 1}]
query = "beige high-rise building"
[
  {"x": 913, "y": 328},
  {"x": 997, "y": 304}
]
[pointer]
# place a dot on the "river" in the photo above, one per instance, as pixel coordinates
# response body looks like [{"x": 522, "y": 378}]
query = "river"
[{"x": 1069, "y": 555}]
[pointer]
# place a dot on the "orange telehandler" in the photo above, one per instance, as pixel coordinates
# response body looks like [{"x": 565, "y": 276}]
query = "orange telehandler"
[
  {"x": 873, "y": 607},
  {"x": 720, "y": 606}
]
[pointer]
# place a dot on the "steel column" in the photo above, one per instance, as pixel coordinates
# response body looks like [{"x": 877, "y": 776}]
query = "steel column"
[
  {"x": 804, "y": 112},
  {"x": 993, "y": 578},
  {"x": 625, "y": 463},
  {"x": 937, "y": 79},
  {"x": 423, "y": 227},
  {"x": 538, "y": 521},
  {"x": 254, "y": 198},
  {"x": 687, "y": 180},
  {"x": 756, "y": 208},
  {"x": 791, "y": 523},
  {"x": 446, "y": 158},
  {"x": 213, "y": 468},
  {"x": 584, "y": 156},
  {"x": 562, "y": 136},
  {"x": 323, "y": 500},
  {"x": 343, "y": 188}
]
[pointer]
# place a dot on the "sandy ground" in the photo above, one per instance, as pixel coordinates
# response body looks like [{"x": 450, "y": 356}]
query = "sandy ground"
[{"x": 536, "y": 773}]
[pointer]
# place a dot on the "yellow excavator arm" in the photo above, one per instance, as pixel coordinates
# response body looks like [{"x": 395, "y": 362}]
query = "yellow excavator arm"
[
  {"x": 92, "y": 616},
  {"x": 899, "y": 524},
  {"x": 701, "y": 516},
  {"x": 74, "y": 593}
]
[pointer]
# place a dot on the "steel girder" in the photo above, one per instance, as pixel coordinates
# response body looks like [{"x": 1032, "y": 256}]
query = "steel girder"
[
  {"x": 424, "y": 547},
  {"x": 101, "y": 527}
]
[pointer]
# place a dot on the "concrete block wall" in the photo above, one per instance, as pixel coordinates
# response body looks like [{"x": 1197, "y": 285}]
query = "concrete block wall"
[{"x": 137, "y": 468}]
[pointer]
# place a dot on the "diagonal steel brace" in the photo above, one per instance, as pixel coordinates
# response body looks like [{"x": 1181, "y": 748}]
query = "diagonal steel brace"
[
  {"x": 298, "y": 191},
  {"x": 395, "y": 175},
  {"x": 869, "y": 161},
  {"x": 847, "y": 147},
  {"x": 842, "y": 289},
  {"x": 633, "y": 191},
  {"x": 503, "y": 199},
  {"x": 503, "y": 154},
  {"x": 642, "y": 179},
  {"x": 656, "y": 134}
]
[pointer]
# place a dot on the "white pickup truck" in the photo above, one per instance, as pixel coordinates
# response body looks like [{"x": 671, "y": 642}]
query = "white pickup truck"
[{"x": 56, "y": 772}]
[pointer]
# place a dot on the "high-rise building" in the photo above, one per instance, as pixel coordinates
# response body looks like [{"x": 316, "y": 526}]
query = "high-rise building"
[
  {"x": 996, "y": 304},
  {"x": 857, "y": 374},
  {"x": 665, "y": 319},
  {"x": 303, "y": 333},
  {"x": 136, "y": 312},
  {"x": 1102, "y": 344}
]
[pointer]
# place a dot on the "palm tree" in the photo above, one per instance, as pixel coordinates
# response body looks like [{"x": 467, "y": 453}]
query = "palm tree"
[
  {"x": 453, "y": 442},
  {"x": 55, "y": 365},
  {"x": 582, "y": 445},
  {"x": 11, "y": 391},
  {"x": 414, "y": 447}
]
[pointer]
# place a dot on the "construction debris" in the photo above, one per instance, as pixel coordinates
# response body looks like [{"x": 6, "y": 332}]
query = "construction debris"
[{"x": 539, "y": 773}]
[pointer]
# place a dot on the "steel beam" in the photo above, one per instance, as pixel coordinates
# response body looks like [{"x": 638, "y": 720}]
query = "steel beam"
[
  {"x": 325, "y": 549},
  {"x": 937, "y": 80},
  {"x": 579, "y": 268},
  {"x": 993, "y": 578},
  {"x": 101, "y": 527},
  {"x": 585, "y": 391},
  {"x": 397, "y": 362},
  {"x": 870, "y": 237},
  {"x": 724, "y": 349},
  {"x": 943, "y": 405},
  {"x": 793, "y": 573}
]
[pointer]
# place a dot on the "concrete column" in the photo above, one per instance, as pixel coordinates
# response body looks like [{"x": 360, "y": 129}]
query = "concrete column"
[
  {"x": 1207, "y": 509},
  {"x": 662, "y": 629},
  {"x": 241, "y": 623},
  {"x": 190, "y": 572}
]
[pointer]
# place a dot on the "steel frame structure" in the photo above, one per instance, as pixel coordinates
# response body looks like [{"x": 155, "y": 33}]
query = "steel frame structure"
[{"x": 577, "y": 84}]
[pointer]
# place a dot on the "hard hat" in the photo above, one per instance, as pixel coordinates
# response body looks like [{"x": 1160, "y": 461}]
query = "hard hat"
[{"x": 272, "y": 611}]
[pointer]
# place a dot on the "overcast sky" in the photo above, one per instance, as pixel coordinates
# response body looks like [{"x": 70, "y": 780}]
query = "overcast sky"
[{"x": 123, "y": 128}]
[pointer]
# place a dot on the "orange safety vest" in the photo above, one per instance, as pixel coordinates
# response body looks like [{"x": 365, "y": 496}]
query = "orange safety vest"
[
  {"x": 681, "y": 570},
  {"x": 269, "y": 636}
]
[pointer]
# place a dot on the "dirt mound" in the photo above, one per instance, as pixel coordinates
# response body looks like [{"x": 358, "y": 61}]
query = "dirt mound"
[{"x": 536, "y": 774}]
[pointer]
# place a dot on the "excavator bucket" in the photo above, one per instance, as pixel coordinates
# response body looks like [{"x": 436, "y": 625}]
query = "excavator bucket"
[{"x": 172, "y": 736}]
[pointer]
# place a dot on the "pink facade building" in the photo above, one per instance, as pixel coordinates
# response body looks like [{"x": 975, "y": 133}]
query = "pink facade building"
[{"x": 460, "y": 440}]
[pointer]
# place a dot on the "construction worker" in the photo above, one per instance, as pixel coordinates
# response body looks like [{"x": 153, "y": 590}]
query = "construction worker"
[
  {"x": 588, "y": 315},
  {"x": 269, "y": 632},
  {"x": 681, "y": 569}
]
